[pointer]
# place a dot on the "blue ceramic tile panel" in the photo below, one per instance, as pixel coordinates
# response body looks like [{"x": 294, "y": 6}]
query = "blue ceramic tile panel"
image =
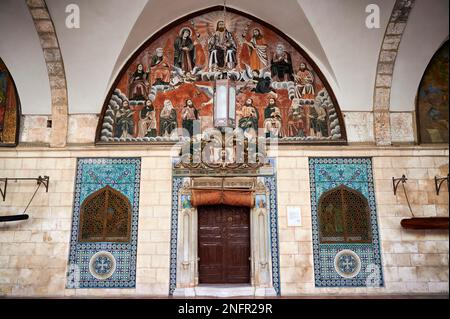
[
  {"x": 104, "y": 264},
  {"x": 332, "y": 261}
]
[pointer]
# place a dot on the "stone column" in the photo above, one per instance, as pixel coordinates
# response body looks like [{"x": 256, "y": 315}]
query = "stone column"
[
  {"x": 55, "y": 69},
  {"x": 385, "y": 70}
]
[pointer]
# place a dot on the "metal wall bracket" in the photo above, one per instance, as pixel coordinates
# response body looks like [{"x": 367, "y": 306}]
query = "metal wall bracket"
[
  {"x": 396, "y": 182},
  {"x": 39, "y": 180},
  {"x": 438, "y": 182}
]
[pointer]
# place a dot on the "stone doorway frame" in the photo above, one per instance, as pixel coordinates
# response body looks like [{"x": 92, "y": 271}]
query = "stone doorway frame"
[{"x": 264, "y": 264}]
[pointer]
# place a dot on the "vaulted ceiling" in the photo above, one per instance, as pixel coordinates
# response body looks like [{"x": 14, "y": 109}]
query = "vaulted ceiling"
[{"x": 333, "y": 33}]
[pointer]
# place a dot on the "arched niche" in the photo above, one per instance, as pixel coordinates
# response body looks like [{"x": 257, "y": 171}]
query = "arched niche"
[
  {"x": 105, "y": 217},
  {"x": 147, "y": 102},
  {"x": 432, "y": 99},
  {"x": 344, "y": 216},
  {"x": 9, "y": 108}
]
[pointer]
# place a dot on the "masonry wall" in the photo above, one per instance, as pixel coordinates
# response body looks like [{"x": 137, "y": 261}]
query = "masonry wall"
[
  {"x": 34, "y": 253},
  {"x": 414, "y": 262}
]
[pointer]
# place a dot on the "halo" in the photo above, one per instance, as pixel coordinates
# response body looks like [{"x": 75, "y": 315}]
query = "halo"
[
  {"x": 257, "y": 28},
  {"x": 183, "y": 29}
]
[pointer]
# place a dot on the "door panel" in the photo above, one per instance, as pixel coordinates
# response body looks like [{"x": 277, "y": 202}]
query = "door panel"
[{"x": 224, "y": 244}]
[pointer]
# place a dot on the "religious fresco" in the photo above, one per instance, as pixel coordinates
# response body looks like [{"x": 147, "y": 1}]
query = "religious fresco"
[
  {"x": 169, "y": 84},
  {"x": 432, "y": 100},
  {"x": 9, "y": 109}
]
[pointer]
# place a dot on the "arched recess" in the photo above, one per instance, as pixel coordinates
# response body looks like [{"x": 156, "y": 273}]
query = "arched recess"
[
  {"x": 344, "y": 216},
  {"x": 105, "y": 217},
  {"x": 432, "y": 99},
  {"x": 9, "y": 108},
  {"x": 147, "y": 101}
]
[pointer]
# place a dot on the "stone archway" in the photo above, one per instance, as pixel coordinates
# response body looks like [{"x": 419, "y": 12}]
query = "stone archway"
[{"x": 55, "y": 69}]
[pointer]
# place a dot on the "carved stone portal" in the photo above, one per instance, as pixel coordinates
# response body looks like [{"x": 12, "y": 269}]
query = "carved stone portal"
[{"x": 187, "y": 282}]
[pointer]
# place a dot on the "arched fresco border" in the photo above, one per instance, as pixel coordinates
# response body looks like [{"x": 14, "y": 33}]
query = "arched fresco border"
[
  {"x": 168, "y": 27},
  {"x": 417, "y": 115},
  {"x": 18, "y": 111}
]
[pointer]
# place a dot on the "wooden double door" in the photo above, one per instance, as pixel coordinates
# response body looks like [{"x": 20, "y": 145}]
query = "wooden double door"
[{"x": 224, "y": 244}]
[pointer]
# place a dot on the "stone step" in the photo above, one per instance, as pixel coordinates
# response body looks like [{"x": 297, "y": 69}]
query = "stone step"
[{"x": 224, "y": 290}]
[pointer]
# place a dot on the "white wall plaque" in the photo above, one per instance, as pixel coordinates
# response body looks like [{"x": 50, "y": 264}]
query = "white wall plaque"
[{"x": 294, "y": 216}]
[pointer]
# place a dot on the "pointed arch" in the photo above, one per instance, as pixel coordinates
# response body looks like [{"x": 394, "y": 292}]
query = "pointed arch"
[
  {"x": 344, "y": 216},
  {"x": 105, "y": 216},
  {"x": 432, "y": 105},
  {"x": 306, "y": 109},
  {"x": 9, "y": 108}
]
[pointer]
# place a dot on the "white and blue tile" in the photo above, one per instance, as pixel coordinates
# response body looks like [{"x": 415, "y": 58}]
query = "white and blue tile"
[
  {"x": 104, "y": 264},
  {"x": 345, "y": 264}
]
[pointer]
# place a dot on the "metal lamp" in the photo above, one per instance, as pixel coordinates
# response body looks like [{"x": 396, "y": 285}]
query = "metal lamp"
[{"x": 225, "y": 104}]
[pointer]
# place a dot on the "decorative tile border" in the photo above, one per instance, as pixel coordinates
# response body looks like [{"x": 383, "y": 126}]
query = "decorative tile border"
[
  {"x": 177, "y": 183},
  {"x": 271, "y": 184},
  {"x": 356, "y": 173},
  {"x": 122, "y": 174}
]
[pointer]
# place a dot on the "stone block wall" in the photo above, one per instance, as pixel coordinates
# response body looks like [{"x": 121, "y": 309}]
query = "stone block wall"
[
  {"x": 414, "y": 262},
  {"x": 34, "y": 253},
  {"x": 82, "y": 127}
]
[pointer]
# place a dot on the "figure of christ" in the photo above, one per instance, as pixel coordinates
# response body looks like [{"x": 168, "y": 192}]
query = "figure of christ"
[
  {"x": 184, "y": 51},
  {"x": 258, "y": 50},
  {"x": 160, "y": 69},
  {"x": 304, "y": 79},
  {"x": 222, "y": 48}
]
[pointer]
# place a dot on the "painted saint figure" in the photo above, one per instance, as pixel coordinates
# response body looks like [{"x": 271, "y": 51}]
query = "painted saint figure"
[
  {"x": 184, "y": 51},
  {"x": 124, "y": 121},
  {"x": 295, "y": 122},
  {"x": 263, "y": 83},
  {"x": 318, "y": 117},
  {"x": 147, "y": 121},
  {"x": 258, "y": 50},
  {"x": 304, "y": 84},
  {"x": 189, "y": 115},
  {"x": 281, "y": 64},
  {"x": 160, "y": 69},
  {"x": 249, "y": 119},
  {"x": 138, "y": 87},
  {"x": 222, "y": 48},
  {"x": 168, "y": 119},
  {"x": 272, "y": 120}
]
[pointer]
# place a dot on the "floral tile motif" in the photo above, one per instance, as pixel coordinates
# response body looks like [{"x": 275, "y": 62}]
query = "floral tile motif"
[
  {"x": 104, "y": 264},
  {"x": 345, "y": 264}
]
